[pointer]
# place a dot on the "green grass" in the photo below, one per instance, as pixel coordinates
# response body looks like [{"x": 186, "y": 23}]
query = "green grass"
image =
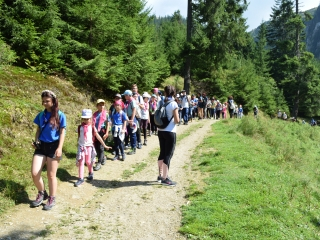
[
  {"x": 20, "y": 92},
  {"x": 263, "y": 182}
]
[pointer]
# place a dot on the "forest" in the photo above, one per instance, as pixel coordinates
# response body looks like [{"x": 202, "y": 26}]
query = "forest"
[{"x": 107, "y": 45}]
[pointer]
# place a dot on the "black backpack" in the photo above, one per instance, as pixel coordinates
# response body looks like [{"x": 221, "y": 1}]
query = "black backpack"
[{"x": 160, "y": 116}]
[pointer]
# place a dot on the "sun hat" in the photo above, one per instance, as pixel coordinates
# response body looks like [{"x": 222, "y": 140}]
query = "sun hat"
[
  {"x": 134, "y": 127},
  {"x": 127, "y": 92},
  {"x": 117, "y": 95},
  {"x": 100, "y": 101},
  {"x": 146, "y": 95},
  {"x": 86, "y": 113}
]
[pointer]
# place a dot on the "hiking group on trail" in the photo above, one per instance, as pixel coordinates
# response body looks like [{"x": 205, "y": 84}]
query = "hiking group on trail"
[{"x": 130, "y": 116}]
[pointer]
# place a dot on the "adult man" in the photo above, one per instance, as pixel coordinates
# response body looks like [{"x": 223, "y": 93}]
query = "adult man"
[
  {"x": 130, "y": 110},
  {"x": 140, "y": 105},
  {"x": 185, "y": 107}
]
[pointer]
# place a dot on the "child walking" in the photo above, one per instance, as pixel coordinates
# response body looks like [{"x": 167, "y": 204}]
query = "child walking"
[
  {"x": 119, "y": 123},
  {"x": 145, "y": 116},
  {"x": 86, "y": 151}
]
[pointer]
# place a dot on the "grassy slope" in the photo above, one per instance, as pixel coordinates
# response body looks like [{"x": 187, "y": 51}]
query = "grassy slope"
[
  {"x": 263, "y": 182},
  {"x": 20, "y": 102}
]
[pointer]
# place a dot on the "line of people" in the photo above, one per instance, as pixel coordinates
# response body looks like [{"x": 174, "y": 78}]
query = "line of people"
[
  {"x": 202, "y": 107},
  {"x": 127, "y": 120}
]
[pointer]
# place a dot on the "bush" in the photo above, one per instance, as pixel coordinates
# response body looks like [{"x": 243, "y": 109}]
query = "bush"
[{"x": 7, "y": 56}]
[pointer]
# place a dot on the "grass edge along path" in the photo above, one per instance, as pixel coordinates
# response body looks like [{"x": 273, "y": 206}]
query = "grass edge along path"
[{"x": 250, "y": 193}]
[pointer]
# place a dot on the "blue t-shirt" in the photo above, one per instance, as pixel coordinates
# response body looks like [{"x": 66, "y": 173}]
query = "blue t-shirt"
[
  {"x": 47, "y": 134},
  {"x": 119, "y": 118}
]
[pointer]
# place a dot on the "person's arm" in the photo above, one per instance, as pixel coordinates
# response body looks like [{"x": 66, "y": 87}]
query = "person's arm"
[
  {"x": 36, "y": 137},
  {"x": 96, "y": 134},
  {"x": 176, "y": 116},
  {"x": 58, "y": 152},
  {"x": 107, "y": 123},
  {"x": 132, "y": 116}
]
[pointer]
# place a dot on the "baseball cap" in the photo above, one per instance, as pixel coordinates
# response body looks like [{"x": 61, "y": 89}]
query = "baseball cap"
[
  {"x": 86, "y": 113},
  {"x": 100, "y": 101},
  {"x": 127, "y": 92},
  {"x": 117, "y": 95}
]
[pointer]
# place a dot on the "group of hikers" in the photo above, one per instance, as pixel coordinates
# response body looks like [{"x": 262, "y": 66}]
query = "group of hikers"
[
  {"x": 131, "y": 117},
  {"x": 128, "y": 118},
  {"x": 202, "y": 107}
]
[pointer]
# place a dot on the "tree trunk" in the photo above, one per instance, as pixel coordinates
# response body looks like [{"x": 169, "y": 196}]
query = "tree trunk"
[
  {"x": 187, "y": 77},
  {"x": 296, "y": 103}
]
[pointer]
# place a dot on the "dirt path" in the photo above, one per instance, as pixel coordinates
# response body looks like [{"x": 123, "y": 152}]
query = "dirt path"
[{"x": 112, "y": 206}]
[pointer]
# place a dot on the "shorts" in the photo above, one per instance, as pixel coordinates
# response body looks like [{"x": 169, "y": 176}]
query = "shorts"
[{"x": 47, "y": 149}]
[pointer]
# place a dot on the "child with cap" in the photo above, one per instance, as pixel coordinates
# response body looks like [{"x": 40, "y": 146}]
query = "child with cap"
[
  {"x": 86, "y": 151},
  {"x": 101, "y": 123},
  {"x": 119, "y": 123}
]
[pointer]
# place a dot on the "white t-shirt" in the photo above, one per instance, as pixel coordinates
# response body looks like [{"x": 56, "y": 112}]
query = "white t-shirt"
[
  {"x": 88, "y": 141},
  {"x": 169, "y": 109},
  {"x": 145, "y": 111},
  {"x": 184, "y": 102}
]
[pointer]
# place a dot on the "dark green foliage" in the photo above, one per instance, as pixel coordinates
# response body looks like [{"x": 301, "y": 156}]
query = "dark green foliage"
[{"x": 104, "y": 44}]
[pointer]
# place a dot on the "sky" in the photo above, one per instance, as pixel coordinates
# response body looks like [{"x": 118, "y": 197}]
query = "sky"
[{"x": 257, "y": 12}]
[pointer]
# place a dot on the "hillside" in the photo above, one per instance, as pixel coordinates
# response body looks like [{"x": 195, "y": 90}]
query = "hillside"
[{"x": 312, "y": 32}]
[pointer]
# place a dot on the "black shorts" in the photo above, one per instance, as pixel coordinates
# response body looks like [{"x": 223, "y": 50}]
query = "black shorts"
[{"x": 47, "y": 149}]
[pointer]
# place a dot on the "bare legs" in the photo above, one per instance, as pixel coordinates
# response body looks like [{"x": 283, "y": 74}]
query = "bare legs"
[{"x": 52, "y": 166}]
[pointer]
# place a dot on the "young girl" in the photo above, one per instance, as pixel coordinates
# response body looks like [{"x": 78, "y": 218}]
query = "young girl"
[
  {"x": 119, "y": 122},
  {"x": 86, "y": 151},
  {"x": 49, "y": 139},
  {"x": 224, "y": 110},
  {"x": 145, "y": 116},
  {"x": 101, "y": 122},
  {"x": 152, "y": 109}
]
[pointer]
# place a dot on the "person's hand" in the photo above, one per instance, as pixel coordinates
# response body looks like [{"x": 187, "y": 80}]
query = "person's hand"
[
  {"x": 106, "y": 147},
  {"x": 58, "y": 153},
  {"x": 123, "y": 131}
]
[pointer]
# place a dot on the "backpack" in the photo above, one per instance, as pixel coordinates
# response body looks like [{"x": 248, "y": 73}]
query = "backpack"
[{"x": 160, "y": 116}]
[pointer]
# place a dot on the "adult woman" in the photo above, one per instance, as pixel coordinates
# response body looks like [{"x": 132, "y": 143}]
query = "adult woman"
[
  {"x": 50, "y": 134},
  {"x": 167, "y": 137}
]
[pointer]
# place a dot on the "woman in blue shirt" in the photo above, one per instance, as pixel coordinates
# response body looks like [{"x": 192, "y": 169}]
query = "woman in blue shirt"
[{"x": 51, "y": 126}]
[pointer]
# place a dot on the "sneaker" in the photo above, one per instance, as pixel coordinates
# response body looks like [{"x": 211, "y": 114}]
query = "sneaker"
[
  {"x": 159, "y": 179},
  {"x": 97, "y": 167},
  {"x": 139, "y": 145},
  {"x": 123, "y": 157},
  {"x": 116, "y": 157},
  {"x": 145, "y": 142},
  {"x": 103, "y": 162},
  {"x": 79, "y": 182},
  {"x": 90, "y": 177},
  {"x": 42, "y": 196},
  {"x": 126, "y": 147},
  {"x": 50, "y": 203},
  {"x": 168, "y": 182},
  {"x": 133, "y": 151}
]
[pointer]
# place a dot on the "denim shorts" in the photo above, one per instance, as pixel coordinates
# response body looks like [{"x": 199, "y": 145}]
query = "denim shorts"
[{"x": 47, "y": 149}]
